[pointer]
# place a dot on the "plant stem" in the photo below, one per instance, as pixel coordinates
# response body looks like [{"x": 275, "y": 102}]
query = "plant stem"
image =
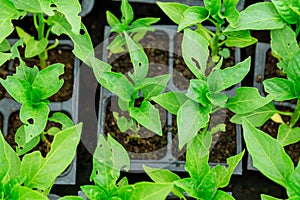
[
  {"x": 45, "y": 140},
  {"x": 41, "y": 35},
  {"x": 296, "y": 115},
  {"x": 215, "y": 43}
]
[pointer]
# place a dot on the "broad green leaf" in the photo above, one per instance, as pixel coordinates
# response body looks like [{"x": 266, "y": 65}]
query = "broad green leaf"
[
  {"x": 8, "y": 13},
  {"x": 71, "y": 198},
  {"x": 148, "y": 116},
  {"x": 231, "y": 13},
  {"x": 247, "y": 99},
  {"x": 117, "y": 83},
  {"x": 22, "y": 192},
  {"x": 192, "y": 16},
  {"x": 34, "y": 117},
  {"x": 164, "y": 176},
  {"x": 15, "y": 51},
  {"x": 16, "y": 88},
  {"x": 221, "y": 79},
  {"x": 222, "y": 195},
  {"x": 26, "y": 73},
  {"x": 293, "y": 72},
  {"x": 4, "y": 46},
  {"x": 112, "y": 20},
  {"x": 145, "y": 190},
  {"x": 257, "y": 117},
  {"x": 284, "y": 8},
  {"x": 42, "y": 173},
  {"x": 293, "y": 187},
  {"x": 9, "y": 161},
  {"x": 191, "y": 117},
  {"x": 239, "y": 39},
  {"x": 213, "y": 6},
  {"x": 267, "y": 197},
  {"x": 171, "y": 101},
  {"x": 122, "y": 122},
  {"x": 49, "y": 75},
  {"x": 218, "y": 99},
  {"x": 173, "y": 10},
  {"x": 35, "y": 47},
  {"x": 22, "y": 34},
  {"x": 138, "y": 58},
  {"x": 287, "y": 135},
  {"x": 197, "y": 156},
  {"x": 280, "y": 89},
  {"x": 144, "y": 22},
  {"x": 198, "y": 91},
  {"x": 34, "y": 6},
  {"x": 127, "y": 12},
  {"x": 83, "y": 47},
  {"x": 262, "y": 147},
  {"x": 116, "y": 46},
  {"x": 4, "y": 57},
  {"x": 195, "y": 52},
  {"x": 252, "y": 18},
  {"x": 23, "y": 146},
  {"x": 72, "y": 15},
  {"x": 157, "y": 88},
  {"x": 61, "y": 118},
  {"x": 208, "y": 185},
  {"x": 94, "y": 192},
  {"x": 189, "y": 185},
  {"x": 284, "y": 43},
  {"x": 108, "y": 159}
]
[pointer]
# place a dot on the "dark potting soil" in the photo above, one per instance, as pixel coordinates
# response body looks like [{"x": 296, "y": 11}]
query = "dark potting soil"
[
  {"x": 181, "y": 73},
  {"x": 15, "y": 123},
  {"x": 271, "y": 128},
  {"x": 3, "y": 73},
  {"x": 223, "y": 143}
]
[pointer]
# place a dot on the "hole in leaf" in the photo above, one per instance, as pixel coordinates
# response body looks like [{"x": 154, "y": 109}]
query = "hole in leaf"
[
  {"x": 31, "y": 136},
  {"x": 100, "y": 145},
  {"x": 140, "y": 64},
  {"x": 82, "y": 32},
  {"x": 97, "y": 172},
  {"x": 21, "y": 147},
  {"x": 196, "y": 62},
  {"x": 53, "y": 6},
  {"x": 30, "y": 121}
]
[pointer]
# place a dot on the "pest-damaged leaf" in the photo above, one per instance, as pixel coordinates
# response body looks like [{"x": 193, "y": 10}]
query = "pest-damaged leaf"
[
  {"x": 62, "y": 119},
  {"x": 42, "y": 173},
  {"x": 191, "y": 117},
  {"x": 246, "y": 100},
  {"x": 23, "y": 146},
  {"x": 148, "y": 116},
  {"x": 261, "y": 147},
  {"x": 127, "y": 12},
  {"x": 171, "y": 101},
  {"x": 195, "y": 52},
  {"x": 173, "y": 10}
]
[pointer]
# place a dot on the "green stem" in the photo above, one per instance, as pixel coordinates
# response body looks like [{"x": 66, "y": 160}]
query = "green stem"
[
  {"x": 43, "y": 59},
  {"x": 41, "y": 27},
  {"x": 35, "y": 22},
  {"x": 296, "y": 115},
  {"x": 215, "y": 44}
]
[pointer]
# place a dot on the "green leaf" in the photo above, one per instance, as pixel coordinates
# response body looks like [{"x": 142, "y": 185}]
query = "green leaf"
[
  {"x": 34, "y": 117},
  {"x": 144, "y": 22},
  {"x": 189, "y": 185},
  {"x": 42, "y": 173},
  {"x": 164, "y": 176},
  {"x": 26, "y": 73},
  {"x": 108, "y": 159},
  {"x": 49, "y": 75},
  {"x": 117, "y": 83},
  {"x": 23, "y": 146},
  {"x": 267, "y": 197},
  {"x": 252, "y": 18},
  {"x": 34, "y": 47},
  {"x": 9, "y": 162},
  {"x": 122, "y": 122},
  {"x": 198, "y": 91},
  {"x": 213, "y": 6},
  {"x": 158, "y": 87},
  {"x": 293, "y": 72},
  {"x": 284, "y": 8},
  {"x": 195, "y": 52},
  {"x": 71, "y": 15},
  {"x": 116, "y": 46},
  {"x": 34, "y": 6},
  {"x": 218, "y": 99},
  {"x": 239, "y": 39},
  {"x": 257, "y": 117},
  {"x": 247, "y": 99},
  {"x": 61, "y": 118},
  {"x": 197, "y": 156},
  {"x": 191, "y": 117},
  {"x": 112, "y": 20},
  {"x": 148, "y": 116},
  {"x": 231, "y": 13},
  {"x": 9, "y": 12},
  {"x": 284, "y": 43},
  {"x": 287, "y": 135},
  {"x": 222, "y": 195},
  {"x": 127, "y": 12},
  {"x": 94, "y": 192},
  {"x": 281, "y": 89},
  {"x": 145, "y": 190},
  {"x": 221, "y": 79},
  {"x": 173, "y": 10},
  {"x": 4, "y": 57},
  {"x": 293, "y": 188},
  {"x": 4, "y": 46},
  {"x": 193, "y": 15},
  {"x": 22, "y": 192},
  {"x": 262, "y": 147},
  {"x": 71, "y": 198},
  {"x": 171, "y": 101},
  {"x": 139, "y": 60}
]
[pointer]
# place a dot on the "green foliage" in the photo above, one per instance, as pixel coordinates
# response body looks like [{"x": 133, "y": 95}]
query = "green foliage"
[
  {"x": 137, "y": 86},
  {"x": 212, "y": 12},
  {"x": 136, "y": 29},
  {"x": 33, "y": 177},
  {"x": 203, "y": 182},
  {"x": 203, "y": 97},
  {"x": 30, "y": 87}
]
